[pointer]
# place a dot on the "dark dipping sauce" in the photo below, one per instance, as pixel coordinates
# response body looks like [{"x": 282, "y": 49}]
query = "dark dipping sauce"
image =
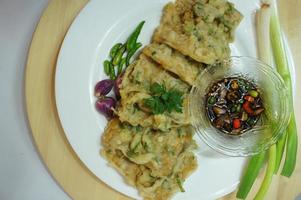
[{"x": 233, "y": 105}]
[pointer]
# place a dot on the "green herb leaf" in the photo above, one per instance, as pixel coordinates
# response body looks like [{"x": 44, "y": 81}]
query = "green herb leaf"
[
  {"x": 164, "y": 101},
  {"x": 157, "y": 89}
]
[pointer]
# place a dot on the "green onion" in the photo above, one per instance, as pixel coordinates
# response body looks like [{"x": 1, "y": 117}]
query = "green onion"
[
  {"x": 269, "y": 33},
  {"x": 257, "y": 161},
  {"x": 263, "y": 22},
  {"x": 255, "y": 164},
  {"x": 282, "y": 68},
  {"x": 268, "y": 174},
  {"x": 279, "y": 52},
  {"x": 262, "y": 32},
  {"x": 291, "y": 149},
  {"x": 280, "y": 149}
]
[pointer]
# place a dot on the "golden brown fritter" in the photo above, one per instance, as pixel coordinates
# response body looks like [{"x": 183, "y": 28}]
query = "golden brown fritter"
[
  {"x": 201, "y": 29},
  {"x": 153, "y": 161},
  {"x": 175, "y": 62},
  {"x": 136, "y": 87}
]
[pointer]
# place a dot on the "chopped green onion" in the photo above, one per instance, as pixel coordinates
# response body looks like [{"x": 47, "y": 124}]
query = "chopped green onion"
[
  {"x": 253, "y": 93},
  {"x": 179, "y": 182},
  {"x": 280, "y": 149}
]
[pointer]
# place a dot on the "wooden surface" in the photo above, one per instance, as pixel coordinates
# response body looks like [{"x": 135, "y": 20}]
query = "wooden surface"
[{"x": 48, "y": 134}]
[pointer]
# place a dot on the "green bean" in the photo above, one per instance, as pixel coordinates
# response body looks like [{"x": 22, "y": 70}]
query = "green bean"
[
  {"x": 122, "y": 62},
  {"x": 132, "y": 40},
  {"x": 114, "y": 49},
  {"x": 106, "y": 65},
  {"x": 116, "y": 60},
  {"x": 252, "y": 171},
  {"x": 132, "y": 52}
]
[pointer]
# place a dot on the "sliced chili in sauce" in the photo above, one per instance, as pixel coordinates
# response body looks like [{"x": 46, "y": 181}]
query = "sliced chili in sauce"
[{"x": 234, "y": 105}]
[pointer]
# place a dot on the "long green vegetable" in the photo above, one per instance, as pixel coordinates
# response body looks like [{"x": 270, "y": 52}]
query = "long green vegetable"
[
  {"x": 252, "y": 171},
  {"x": 268, "y": 30},
  {"x": 291, "y": 149},
  {"x": 282, "y": 68},
  {"x": 268, "y": 174},
  {"x": 279, "y": 151},
  {"x": 262, "y": 19},
  {"x": 263, "y": 38},
  {"x": 264, "y": 54}
]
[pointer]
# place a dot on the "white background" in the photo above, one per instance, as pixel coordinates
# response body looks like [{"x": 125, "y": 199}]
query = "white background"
[{"x": 23, "y": 176}]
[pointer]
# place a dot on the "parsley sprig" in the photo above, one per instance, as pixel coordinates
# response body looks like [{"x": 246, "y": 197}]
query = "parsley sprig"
[{"x": 163, "y": 100}]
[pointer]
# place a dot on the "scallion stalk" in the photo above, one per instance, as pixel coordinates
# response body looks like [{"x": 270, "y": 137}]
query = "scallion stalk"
[
  {"x": 268, "y": 174},
  {"x": 269, "y": 35},
  {"x": 262, "y": 20},
  {"x": 283, "y": 70},
  {"x": 254, "y": 165},
  {"x": 291, "y": 149},
  {"x": 264, "y": 53}
]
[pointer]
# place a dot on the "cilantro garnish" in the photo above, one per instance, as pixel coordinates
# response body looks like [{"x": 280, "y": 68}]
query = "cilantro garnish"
[{"x": 163, "y": 100}]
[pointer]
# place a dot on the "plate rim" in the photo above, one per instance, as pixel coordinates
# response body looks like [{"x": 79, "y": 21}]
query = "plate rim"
[{"x": 221, "y": 193}]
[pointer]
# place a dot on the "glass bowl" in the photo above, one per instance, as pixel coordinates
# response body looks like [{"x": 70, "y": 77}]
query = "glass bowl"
[{"x": 272, "y": 122}]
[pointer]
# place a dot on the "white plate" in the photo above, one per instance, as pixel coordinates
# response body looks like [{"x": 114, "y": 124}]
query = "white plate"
[{"x": 98, "y": 26}]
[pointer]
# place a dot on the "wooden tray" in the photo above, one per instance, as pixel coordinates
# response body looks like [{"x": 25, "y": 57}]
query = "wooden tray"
[{"x": 47, "y": 132}]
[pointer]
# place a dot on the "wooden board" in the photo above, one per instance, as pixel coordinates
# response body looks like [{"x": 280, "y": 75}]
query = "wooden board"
[{"x": 48, "y": 134}]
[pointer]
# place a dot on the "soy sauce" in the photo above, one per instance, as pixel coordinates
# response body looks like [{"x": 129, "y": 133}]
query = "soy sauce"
[{"x": 234, "y": 105}]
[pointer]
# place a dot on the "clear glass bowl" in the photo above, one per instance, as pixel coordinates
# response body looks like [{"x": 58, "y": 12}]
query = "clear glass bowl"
[{"x": 272, "y": 122}]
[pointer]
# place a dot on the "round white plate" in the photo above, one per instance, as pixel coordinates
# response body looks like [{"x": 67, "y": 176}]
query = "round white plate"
[{"x": 98, "y": 26}]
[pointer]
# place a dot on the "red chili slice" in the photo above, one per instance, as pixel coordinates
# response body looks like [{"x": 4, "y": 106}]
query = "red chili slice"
[
  {"x": 249, "y": 98},
  {"x": 236, "y": 123},
  {"x": 247, "y": 108}
]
